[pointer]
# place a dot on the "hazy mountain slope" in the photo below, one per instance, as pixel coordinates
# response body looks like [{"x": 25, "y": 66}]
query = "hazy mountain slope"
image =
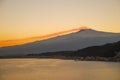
[{"x": 74, "y": 41}]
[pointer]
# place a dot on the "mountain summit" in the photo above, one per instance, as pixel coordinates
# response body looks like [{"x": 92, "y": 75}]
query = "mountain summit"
[{"x": 77, "y": 40}]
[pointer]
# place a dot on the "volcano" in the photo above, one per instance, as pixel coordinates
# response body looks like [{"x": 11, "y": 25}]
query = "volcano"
[{"x": 73, "y": 41}]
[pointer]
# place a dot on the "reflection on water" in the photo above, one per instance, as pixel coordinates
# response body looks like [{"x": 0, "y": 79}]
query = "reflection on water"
[{"x": 55, "y": 69}]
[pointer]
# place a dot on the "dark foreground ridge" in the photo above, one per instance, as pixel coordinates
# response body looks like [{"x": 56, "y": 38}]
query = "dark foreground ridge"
[{"x": 107, "y": 52}]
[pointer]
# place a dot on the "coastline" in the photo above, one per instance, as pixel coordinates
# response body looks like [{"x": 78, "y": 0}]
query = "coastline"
[{"x": 101, "y": 59}]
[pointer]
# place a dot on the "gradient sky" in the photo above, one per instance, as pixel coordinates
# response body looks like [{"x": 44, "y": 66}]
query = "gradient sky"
[{"x": 21, "y": 19}]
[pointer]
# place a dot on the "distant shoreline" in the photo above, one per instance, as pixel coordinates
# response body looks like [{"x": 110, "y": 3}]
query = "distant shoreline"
[{"x": 75, "y": 59}]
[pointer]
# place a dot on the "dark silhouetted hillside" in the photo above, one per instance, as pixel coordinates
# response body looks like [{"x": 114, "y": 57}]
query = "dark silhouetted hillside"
[{"x": 111, "y": 50}]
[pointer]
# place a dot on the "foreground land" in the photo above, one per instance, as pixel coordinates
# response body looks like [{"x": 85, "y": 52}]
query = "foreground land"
[{"x": 107, "y": 52}]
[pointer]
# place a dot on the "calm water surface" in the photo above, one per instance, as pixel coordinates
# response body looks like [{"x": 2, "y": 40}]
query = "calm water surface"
[{"x": 56, "y": 69}]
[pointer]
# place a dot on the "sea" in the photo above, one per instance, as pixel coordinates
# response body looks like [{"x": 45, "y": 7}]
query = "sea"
[{"x": 57, "y": 69}]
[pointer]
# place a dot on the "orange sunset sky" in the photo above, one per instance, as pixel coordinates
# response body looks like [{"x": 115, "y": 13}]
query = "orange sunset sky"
[{"x": 23, "y": 21}]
